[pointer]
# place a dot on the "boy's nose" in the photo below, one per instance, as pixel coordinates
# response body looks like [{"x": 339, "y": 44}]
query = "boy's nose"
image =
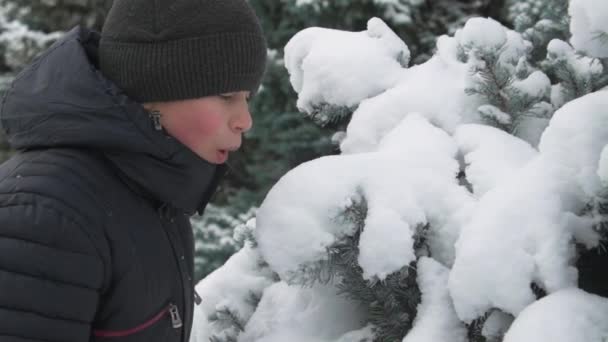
[{"x": 243, "y": 122}]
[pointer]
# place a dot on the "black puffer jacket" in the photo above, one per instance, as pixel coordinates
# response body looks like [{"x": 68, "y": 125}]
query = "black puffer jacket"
[{"x": 95, "y": 239}]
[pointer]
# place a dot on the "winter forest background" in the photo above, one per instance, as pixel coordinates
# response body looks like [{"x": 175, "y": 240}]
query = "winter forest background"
[{"x": 457, "y": 171}]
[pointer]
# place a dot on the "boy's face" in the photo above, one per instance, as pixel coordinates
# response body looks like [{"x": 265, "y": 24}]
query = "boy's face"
[{"x": 210, "y": 126}]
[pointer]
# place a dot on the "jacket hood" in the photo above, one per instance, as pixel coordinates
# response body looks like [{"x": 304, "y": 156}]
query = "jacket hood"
[{"x": 62, "y": 100}]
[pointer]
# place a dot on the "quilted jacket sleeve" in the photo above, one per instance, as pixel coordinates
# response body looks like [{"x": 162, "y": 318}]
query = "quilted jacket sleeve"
[{"x": 50, "y": 276}]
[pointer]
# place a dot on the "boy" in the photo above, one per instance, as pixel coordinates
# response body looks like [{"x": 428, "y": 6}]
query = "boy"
[{"x": 121, "y": 137}]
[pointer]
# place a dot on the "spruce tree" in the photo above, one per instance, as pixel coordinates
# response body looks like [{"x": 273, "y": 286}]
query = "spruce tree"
[{"x": 515, "y": 82}]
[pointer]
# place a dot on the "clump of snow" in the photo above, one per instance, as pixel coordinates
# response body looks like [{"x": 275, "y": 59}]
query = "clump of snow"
[
  {"x": 436, "y": 320},
  {"x": 535, "y": 85},
  {"x": 296, "y": 314},
  {"x": 514, "y": 48},
  {"x": 575, "y": 138},
  {"x": 418, "y": 91},
  {"x": 584, "y": 67},
  {"x": 516, "y": 246},
  {"x": 295, "y": 229},
  {"x": 565, "y": 316},
  {"x": 589, "y": 26},
  {"x": 229, "y": 287},
  {"x": 323, "y": 62},
  {"x": 557, "y": 95},
  {"x": 491, "y": 155},
  {"x": 490, "y": 111},
  {"x": 520, "y": 247},
  {"x": 444, "y": 77},
  {"x": 482, "y": 34}
]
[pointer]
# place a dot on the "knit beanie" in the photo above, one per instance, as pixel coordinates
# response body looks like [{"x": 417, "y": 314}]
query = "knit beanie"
[{"x": 163, "y": 50}]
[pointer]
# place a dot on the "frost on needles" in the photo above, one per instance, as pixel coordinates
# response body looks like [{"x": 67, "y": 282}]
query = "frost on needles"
[{"x": 465, "y": 191}]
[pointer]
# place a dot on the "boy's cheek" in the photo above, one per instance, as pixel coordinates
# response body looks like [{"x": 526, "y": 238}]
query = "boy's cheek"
[{"x": 208, "y": 125}]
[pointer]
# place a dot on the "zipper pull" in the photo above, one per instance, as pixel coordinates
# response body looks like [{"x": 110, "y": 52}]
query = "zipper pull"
[
  {"x": 197, "y": 298},
  {"x": 175, "y": 319},
  {"x": 155, "y": 116}
]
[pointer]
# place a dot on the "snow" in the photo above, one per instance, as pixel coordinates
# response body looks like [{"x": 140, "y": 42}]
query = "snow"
[
  {"x": 511, "y": 244},
  {"x": 503, "y": 211},
  {"x": 565, "y": 316},
  {"x": 585, "y": 67},
  {"x": 293, "y": 313},
  {"x": 481, "y": 33},
  {"x": 322, "y": 63},
  {"x": 576, "y": 136},
  {"x": 514, "y": 48},
  {"x": 535, "y": 85},
  {"x": 588, "y": 22},
  {"x": 436, "y": 320},
  {"x": 561, "y": 179},
  {"x": 294, "y": 230},
  {"x": 424, "y": 85},
  {"x": 495, "y": 113},
  {"x": 491, "y": 155},
  {"x": 230, "y": 287}
]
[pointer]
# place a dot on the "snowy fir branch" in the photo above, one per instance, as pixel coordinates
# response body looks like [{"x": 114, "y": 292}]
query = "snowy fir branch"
[
  {"x": 244, "y": 233},
  {"x": 475, "y": 329},
  {"x": 539, "y": 292},
  {"x": 468, "y": 276},
  {"x": 225, "y": 338},
  {"x": 573, "y": 86},
  {"x": 231, "y": 324},
  {"x": 253, "y": 299},
  {"x": 483, "y": 329},
  {"x": 507, "y": 105},
  {"x": 216, "y": 338},
  {"x": 391, "y": 302},
  {"x": 539, "y": 21},
  {"x": 492, "y": 81},
  {"x": 325, "y": 114},
  {"x": 601, "y": 36},
  {"x": 597, "y": 210}
]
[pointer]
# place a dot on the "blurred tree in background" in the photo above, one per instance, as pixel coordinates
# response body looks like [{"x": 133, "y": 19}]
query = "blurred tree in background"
[{"x": 282, "y": 137}]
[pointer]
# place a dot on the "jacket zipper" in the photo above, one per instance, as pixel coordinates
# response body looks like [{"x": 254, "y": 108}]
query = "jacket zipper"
[
  {"x": 172, "y": 310},
  {"x": 155, "y": 116},
  {"x": 166, "y": 215}
]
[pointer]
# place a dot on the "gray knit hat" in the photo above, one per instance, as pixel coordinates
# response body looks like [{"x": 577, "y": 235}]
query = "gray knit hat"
[{"x": 162, "y": 50}]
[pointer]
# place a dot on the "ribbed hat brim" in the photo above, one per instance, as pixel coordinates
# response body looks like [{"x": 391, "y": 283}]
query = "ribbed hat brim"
[{"x": 185, "y": 68}]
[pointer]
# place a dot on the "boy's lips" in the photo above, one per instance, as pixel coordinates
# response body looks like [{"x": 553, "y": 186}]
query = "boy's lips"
[{"x": 222, "y": 154}]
